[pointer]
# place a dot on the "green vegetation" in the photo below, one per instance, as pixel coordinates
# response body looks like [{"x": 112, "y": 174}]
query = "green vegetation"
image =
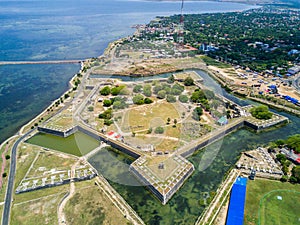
[
  {"x": 284, "y": 162},
  {"x": 197, "y": 113},
  {"x": 257, "y": 189},
  {"x": 159, "y": 130},
  {"x": 116, "y": 90},
  {"x": 105, "y": 91},
  {"x": 171, "y": 98},
  {"x": 259, "y": 39},
  {"x": 261, "y": 112},
  {"x": 188, "y": 81},
  {"x": 138, "y": 99},
  {"x": 147, "y": 90},
  {"x": 137, "y": 88},
  {"x": 293, "y": 142},
  {"x": 161, "y": 94},
  {"x": 295, "y": 178},
  {"x": 183, "y": 98},
  {"x": 107, "y": 114},
  {"x": 107, "y": 102}
]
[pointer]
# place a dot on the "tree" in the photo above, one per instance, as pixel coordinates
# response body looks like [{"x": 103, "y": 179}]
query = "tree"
[
  {"x": 168, "y": 120},
  {"x": 137, "y": 88},
  {"x": 149, "y": 131},
  {"x": 296, "y": 173},
  {"x": 108, "y": 122},
  {"x": 147, "y": 90},
  {"x": 105, "y": 91},
  {"x": 175, "y": 122},
  {"x": 157, "y": 88},
  {"x": 4, "y": 175},
  {"x": 161, "y": 94},
  {"x": 159, "y": 130},
  {"x": 90, "y": 108},
  {"x": 108, "y": 114},
  {"x": 66, "y": 96},
  {"x": 261, "y": 112},
  {"x": 197, "y": 113},
  {"x": 198, "y": 96},
  {"x": 107, "y": 103},
  {"x": 7, "y": 157},
  {"x": 171, "y": 79},
  {"x": 293, "y": 142},
  {"x": 138, "y": 99},
  {"x": 171, "y": 98},
  {"x": 148, "y": 101},
  {"x": 183, "y": 98},
  {"x": 189, "y": 81},
  {"x": 116, "y": 90}
]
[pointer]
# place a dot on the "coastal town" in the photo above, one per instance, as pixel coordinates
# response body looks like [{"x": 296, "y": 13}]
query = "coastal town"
[{"x": 144, "y": 112}]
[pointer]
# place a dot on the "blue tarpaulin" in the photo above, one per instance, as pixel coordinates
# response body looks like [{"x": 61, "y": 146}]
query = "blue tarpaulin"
[{"x": 235, "y": 214}]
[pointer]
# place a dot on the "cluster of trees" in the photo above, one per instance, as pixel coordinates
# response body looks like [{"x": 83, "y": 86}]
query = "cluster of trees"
[
  {"x": 292, "y": 142},
  {"x": 116, "y": 103},
  {"x": 234, "y": 34},
  {"x": 107, "y": 115},
  {"x": 261, "y": 112},
  {"x": 295, "y": 176},
  {"x": 116, "y": 90},
  {"x": 140, "y": 100},
  {"x": 284, "y": 162},
  {"x": 146, "y": 89},
  {"x": 199, "y": 96},
  {"x": 197, "y": 113},
  {"x": 161, "y": 91}
]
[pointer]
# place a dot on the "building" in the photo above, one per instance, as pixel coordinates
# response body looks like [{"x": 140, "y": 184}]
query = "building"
[{"x": 293, "y": 70}]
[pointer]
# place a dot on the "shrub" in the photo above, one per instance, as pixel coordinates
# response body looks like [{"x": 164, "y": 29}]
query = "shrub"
[{"x": 159, "y": 130}]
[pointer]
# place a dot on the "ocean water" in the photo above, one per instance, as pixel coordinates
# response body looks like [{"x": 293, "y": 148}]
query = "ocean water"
[{"x": 65, "y": 29}]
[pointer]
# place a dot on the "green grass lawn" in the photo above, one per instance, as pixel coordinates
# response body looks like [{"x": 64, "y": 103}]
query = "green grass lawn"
[
  {"x": 257, "y": 189},
  {"x": 280, "y": 207},
  {"x": 77, "y": 144}
]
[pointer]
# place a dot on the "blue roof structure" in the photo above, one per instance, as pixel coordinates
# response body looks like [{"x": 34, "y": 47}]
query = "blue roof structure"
[
  {"x": 293, "y": 100},
  {"x": 235, "y": 214}
]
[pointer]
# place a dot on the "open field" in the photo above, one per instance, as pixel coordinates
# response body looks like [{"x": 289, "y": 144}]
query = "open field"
[
  {"x": 90, "y": 205},
  {"x": 25, "y": 156},
  {"x": 255, "y": 192},
  {"x": 77, "y": 144},
  {"x": 47, "y": 161},
  {"x": 37, "y": 211},
  {"x": 142, "y": 118},
  {"x": 280, "y": 207}
]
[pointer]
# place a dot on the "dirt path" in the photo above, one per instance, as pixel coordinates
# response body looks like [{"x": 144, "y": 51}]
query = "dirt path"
[
  {"x": 60, "y": 212},
  {"x": 3, "y": 165}
]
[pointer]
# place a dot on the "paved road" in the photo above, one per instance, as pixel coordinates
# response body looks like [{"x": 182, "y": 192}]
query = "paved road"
[{"x": 10, "y": 183}]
